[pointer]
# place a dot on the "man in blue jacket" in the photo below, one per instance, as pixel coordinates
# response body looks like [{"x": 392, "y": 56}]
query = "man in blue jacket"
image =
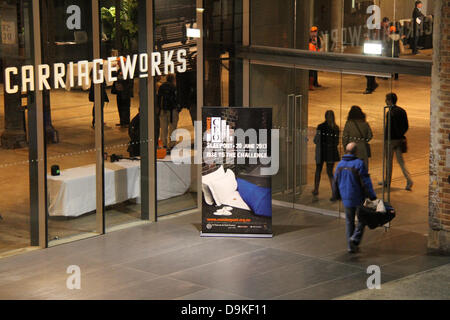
[{"x": 352, "y": 184}]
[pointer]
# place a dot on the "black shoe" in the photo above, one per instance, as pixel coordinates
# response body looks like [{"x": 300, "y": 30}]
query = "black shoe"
[
  {"x": 315, "y": 193},
  {"x": 368, "y": 91},
  {"x": 333, "y": 199},
  {"x": 375, "y": 88},
  {"x": 409, "y": 186},
  {"x": 317, "y": 85},
  {"x": 353, "y": 247}
]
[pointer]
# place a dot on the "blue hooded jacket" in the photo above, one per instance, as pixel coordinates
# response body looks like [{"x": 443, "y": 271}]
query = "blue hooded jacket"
[{"x": 351, "y": 172}]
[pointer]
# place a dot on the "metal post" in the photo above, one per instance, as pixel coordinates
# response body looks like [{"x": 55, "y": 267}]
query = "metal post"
[
  {"x": 151, "y": 146},
  {"x": 246, "y": 62},
  {"x": 40, "y": 163},
  {"x": 99, "y": 140},
  {"x": 200, "y": 97}
]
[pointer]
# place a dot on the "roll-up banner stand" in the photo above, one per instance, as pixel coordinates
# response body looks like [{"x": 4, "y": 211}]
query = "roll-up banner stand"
[{"x": 236, "y": 172}]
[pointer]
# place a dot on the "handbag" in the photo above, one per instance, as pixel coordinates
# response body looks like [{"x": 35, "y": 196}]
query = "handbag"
[
  {"x": 404, "y": 145},
  {"x": 373, "y": 219},
  {"x": 369, "y": 151}
]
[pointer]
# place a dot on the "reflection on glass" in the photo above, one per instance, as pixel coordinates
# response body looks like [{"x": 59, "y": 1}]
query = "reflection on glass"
[
  {"x": 15, "y": 51},
  {"x": 70, "y": 141},
  {"x": 120, "y": 27},
  {"x": 176, "y": 109},
  {"x": 400, "y": 27}
]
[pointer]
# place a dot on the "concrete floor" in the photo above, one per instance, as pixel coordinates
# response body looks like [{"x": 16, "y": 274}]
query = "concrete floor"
[
  {"x": 71, "y": 113},
  {"x": 306, "y": 259}
]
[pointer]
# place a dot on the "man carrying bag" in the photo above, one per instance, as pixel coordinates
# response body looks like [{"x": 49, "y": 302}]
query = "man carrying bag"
[{"x": 352, "y": 185}]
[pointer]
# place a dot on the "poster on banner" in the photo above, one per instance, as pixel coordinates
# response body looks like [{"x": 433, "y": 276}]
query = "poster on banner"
[{"x": 237, "y": 191}]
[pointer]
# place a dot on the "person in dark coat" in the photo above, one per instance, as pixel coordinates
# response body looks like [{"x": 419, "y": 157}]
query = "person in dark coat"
[
  {"x": 397, "y": 124},
  {"x": 417, "y": 22},
  {"x": 104, "y": 98},
  {"x": 352, "y": 185},
  {"x": 327, "y": 141},
  {"x": 123, "y": 89}
]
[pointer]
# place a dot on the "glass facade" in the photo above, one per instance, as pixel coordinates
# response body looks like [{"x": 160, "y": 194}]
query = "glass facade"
[{"x": 98, "y": 119}]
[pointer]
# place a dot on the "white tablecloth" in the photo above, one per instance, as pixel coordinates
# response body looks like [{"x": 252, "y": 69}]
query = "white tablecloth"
[{"x": 73, "y": 193}]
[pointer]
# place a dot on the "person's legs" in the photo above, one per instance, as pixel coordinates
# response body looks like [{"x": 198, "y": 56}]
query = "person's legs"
[
  {"x": 311, "y": 79},
  {"x": 401, "y": 162},
  {"x": 164, "y": 119},
  {"x": 349, "y": 224},
  {"x": 371, "y": 85},
  {"x": 358, "y": 233},
  {"x": 416, "y": 41},
  {"x": 126, "y": 105},
  {"x": 172, "y": 126},
  {"x": 119, "y": 107},
  {"x": 316, "y": 79},
  {"x": 319, "y": 167},
  {"x": 93, "y": 113},
  {"x": 330, "y": 169}
]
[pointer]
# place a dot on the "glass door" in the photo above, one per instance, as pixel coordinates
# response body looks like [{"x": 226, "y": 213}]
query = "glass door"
[{"x": 279, "y": 87}]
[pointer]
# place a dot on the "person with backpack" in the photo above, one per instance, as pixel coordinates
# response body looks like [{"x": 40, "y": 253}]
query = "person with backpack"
[
  {"x": 352, "y": 185},
  {"x": 169, "y": 110}
]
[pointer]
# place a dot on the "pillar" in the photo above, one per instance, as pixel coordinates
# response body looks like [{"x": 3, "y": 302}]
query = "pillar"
[{"x": 439, "y": 189}]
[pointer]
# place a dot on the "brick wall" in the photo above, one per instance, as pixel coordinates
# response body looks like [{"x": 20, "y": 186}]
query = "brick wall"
[{"x": 439, "y": 197}]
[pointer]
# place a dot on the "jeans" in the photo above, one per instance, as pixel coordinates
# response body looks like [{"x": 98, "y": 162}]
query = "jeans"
[
  {"x": 396, "y": 146},
  {"x": 353, "y": 234}
]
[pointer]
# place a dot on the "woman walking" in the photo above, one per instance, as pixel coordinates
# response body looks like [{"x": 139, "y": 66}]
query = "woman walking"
[
  {"x": 358, "y": 130},
  {"x": 327, "y": 141}
]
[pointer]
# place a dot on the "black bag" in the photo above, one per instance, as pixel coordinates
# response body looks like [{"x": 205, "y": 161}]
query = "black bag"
[{"x": 374, "y": 219}]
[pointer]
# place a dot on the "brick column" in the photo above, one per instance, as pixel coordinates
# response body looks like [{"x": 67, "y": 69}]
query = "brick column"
[{"x": 439, "y": 197}]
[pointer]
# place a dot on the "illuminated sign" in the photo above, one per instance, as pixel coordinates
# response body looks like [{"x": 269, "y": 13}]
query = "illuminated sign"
[{"x": 152, "y": 64}]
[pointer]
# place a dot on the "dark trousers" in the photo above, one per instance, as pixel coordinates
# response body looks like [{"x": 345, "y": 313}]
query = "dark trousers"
[
  {"x": 93, "y": 112},
  {"x": 123, "y": 106},
  {"x": 319, "y": 167},
  {"x": 415, "y": 40},
  {"x": 315, "y": 76},
  {"x": 353, "y": 233},
  {"x": 371, "y": 83}
]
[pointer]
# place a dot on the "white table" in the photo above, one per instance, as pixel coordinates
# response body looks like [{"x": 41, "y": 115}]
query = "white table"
[{"x": 73, "y": 193}]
